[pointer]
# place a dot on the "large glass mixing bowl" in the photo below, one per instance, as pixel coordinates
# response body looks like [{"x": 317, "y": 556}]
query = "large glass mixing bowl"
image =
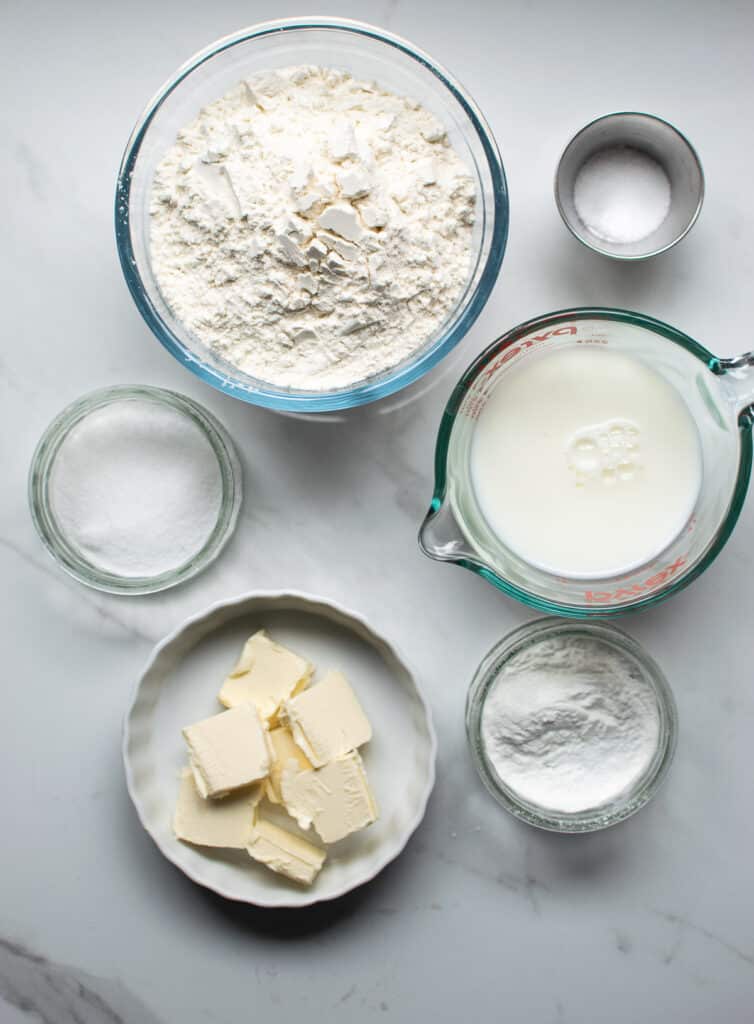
[{"x": 368, "y": 53}]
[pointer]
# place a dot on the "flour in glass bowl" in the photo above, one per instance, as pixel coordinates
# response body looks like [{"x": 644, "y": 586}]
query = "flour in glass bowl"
[
  {"x": 570, "y": 724},
  {"x": 312, "y": 229}
]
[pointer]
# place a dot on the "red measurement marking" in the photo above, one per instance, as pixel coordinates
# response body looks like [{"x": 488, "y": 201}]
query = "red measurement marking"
[
  {"x": 626, "y": 593},
  {"x": 473, "y": 405},
  {"x": 476, "y": 398}
]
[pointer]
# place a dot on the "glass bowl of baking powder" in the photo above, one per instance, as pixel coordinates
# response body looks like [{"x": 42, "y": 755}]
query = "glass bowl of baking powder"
[
  {"x": 571, "y": 725},
  {"x": 197, "y": 318}
]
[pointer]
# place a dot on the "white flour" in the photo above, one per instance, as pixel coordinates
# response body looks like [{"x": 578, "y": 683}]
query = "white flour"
[
  {"x": 312, "y": 229},
  {"x": 570, "y": 724},
  {"x": 136, "y": 487}
]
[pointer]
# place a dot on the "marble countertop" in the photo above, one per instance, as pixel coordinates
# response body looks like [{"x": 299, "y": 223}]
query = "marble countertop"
[{"x": 482, "y": 918}]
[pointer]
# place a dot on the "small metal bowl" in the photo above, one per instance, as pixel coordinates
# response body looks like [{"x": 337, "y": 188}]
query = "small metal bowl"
[
  {"x": 657, "y": 139},
  {"x": 641, "y": 789}
]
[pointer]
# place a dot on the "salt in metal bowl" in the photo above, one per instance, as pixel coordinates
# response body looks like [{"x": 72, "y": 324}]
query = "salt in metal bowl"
[{"x": 659, "y": 140}]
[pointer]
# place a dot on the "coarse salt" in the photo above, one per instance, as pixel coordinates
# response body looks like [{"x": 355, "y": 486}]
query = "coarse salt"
[{"x": 621, "y": 194}]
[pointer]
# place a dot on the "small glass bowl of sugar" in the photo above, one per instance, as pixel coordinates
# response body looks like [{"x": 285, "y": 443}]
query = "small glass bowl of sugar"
[
  {"x": 134, "y": 489},
  {"x": 571, "y": 725},
  {"x": 629, "y": 186}
]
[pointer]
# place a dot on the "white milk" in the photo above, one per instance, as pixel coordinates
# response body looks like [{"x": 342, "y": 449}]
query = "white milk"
[{"x": 585, "y": 462}]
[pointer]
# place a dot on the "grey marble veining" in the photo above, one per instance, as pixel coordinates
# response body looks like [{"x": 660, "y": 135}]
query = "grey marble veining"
[
  {"x": 481, "y": 918},
  {"x": 39, "y": 990}
]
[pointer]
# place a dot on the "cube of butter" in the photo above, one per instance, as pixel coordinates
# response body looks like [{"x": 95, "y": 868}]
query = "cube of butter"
[
  {"x": 336, "y": 798},
  {"x": 265, "y": 675},
  {"x": 284, "y": 852},
  {"x": 223, "y": 823},
  {"x": 228, "y": 751},
  {"x": 327, "y": 720},
  {"x": 284, "y": 753}
]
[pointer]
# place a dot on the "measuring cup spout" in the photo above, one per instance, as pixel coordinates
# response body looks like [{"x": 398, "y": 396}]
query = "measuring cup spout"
[
  {"x": 739, "y": 372},
  {"x": 440, "y": 536}
]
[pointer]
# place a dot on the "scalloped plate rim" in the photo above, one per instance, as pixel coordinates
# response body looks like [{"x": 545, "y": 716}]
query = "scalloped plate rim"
[{"x": 307, "y": 598}]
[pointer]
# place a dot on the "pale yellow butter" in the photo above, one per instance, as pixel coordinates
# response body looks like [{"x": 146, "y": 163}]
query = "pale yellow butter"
[
  {"x": 228, "y": 751},
  {"x": 336, "y": 798},
  {"x": 223, "y": 823},
  {"x": 284, "y": 852},
  {"x": 327, "y": 720},
  {"x": 284, "y": 753},
  {"x": 266, "y": 674}
]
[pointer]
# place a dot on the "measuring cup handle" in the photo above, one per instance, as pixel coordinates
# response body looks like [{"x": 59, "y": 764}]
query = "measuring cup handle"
[{"x": 739, "y": 372}]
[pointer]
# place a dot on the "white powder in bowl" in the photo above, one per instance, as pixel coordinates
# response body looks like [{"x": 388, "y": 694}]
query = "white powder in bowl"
[
  {"x": 312, "y": 229},
  {"x": 570, "y": 724},
  {"x": 136, "y": 488},
  {"x": 622, "y": 194}
]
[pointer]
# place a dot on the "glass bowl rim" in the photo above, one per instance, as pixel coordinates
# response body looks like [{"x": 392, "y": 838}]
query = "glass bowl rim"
[
  {"x": 66, "y": 554},
  {"x": 364, "y": 392},
  {"x": 447, "y": 422},
  {"x": 644, "y": 788}
]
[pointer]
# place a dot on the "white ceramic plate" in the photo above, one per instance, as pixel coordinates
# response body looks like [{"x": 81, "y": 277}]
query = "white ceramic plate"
[{"x": 179, "y": 686}]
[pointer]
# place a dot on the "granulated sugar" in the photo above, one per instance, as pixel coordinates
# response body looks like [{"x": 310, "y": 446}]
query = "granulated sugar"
[
  {"x": 136, "y": 488},
  {"x": 621, "y": 194}
]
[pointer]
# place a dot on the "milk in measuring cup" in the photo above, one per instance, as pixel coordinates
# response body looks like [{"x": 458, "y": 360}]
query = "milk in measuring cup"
[{"x": 585, "y": 462}]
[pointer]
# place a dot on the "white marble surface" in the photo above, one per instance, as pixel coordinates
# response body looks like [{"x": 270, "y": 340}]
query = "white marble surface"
[{"x": 482, "y": 918}]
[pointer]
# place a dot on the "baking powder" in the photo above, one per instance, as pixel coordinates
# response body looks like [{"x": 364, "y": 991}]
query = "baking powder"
[
  {"x": 312, "y": 229},
  {"x": 570, "y": 723}
]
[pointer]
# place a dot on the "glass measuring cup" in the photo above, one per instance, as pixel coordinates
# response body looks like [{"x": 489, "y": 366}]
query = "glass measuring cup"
[{"x": 719, "y": 394}]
